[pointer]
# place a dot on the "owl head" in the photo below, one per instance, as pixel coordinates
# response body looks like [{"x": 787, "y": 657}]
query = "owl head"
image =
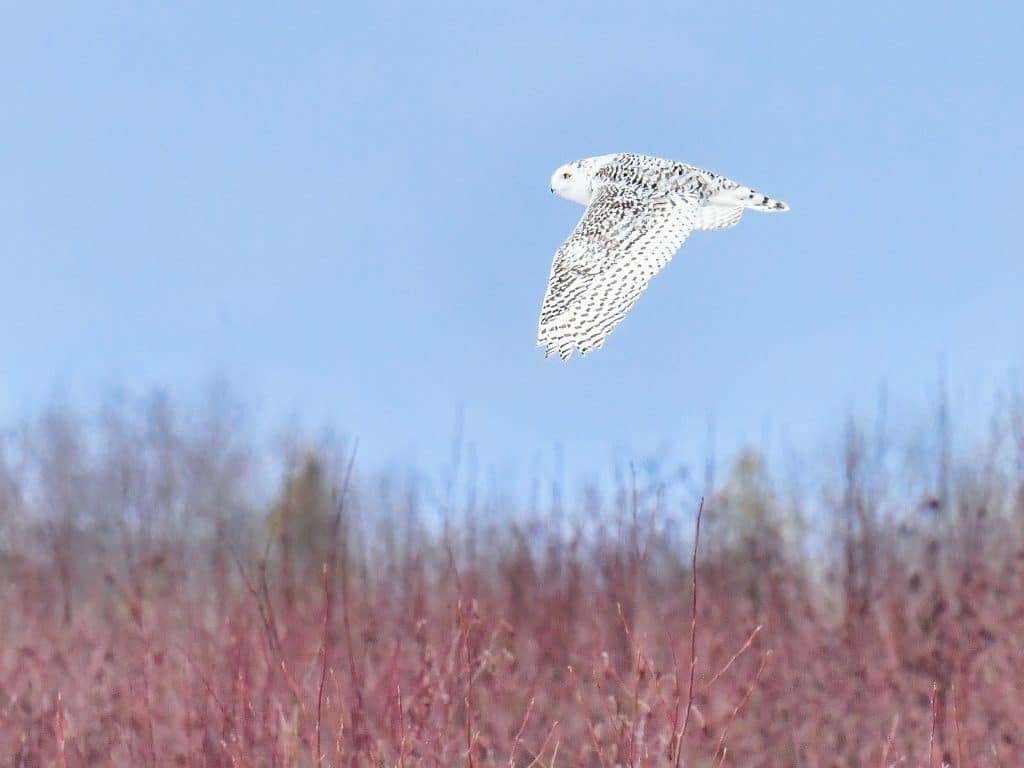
[{"x": 574, "y": 181}]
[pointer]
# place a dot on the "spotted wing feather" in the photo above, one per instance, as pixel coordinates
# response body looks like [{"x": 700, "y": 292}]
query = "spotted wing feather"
[{"x": 620, "y": 243}]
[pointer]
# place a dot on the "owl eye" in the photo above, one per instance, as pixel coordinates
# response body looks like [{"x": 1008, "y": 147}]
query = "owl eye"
[{"x": 566, "y": 175}]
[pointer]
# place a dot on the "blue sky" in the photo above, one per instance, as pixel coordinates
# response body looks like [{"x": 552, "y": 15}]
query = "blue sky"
[{"x": 344, "y": 211}]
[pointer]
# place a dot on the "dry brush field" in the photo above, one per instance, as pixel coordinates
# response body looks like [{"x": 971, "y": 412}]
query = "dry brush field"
[{"x": 154, "y": 610}]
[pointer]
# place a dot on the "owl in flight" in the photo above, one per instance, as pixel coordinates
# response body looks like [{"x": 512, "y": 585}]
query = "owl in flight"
[{"x": 640, "y": 210}]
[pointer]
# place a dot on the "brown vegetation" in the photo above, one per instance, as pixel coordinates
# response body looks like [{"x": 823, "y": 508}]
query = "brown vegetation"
[{"x": 153, "y": 611}]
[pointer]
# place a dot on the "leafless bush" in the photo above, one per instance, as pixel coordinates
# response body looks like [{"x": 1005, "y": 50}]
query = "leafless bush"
[{"x": 161, "y": 609}]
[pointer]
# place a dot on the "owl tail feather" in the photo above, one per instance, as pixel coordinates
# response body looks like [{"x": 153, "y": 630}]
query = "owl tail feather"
[{"x": 750, "y": 198}]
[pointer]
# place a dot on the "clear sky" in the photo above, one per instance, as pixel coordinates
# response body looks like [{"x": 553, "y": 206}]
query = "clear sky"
[{"x": 343, "y": 209}]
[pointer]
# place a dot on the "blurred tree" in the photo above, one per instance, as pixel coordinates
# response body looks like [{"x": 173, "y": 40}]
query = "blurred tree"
[
  {"x": 302, "y": 523},
  {"x": 752, "y": 529}
]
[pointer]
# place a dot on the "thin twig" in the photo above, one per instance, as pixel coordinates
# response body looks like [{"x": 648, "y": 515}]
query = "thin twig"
[
  {"x": 636, "y": 652},
  {"x": 357, "y": 682},
  {"x": 328, "y": 575},
  {"x": 676, "y": 692},
  {"x": 270, "y": 634},
  {"x": 736, "y": 710},
  {"x": 401, "y": 728},
  {"x": 464, "y": 631},
  {"x": 58, "y": 724},
  {"x": 931, "y": 734},
  {"x": 889, "y": 741},
  {"x": 636, "y": 707},
  {"x": 590, "y": 721},
  {"x": 519, "y": 734},
  {"x": 293, "y": 686},
  {"x": 678, "y": 740},
  {"x": 229, "y": 721},
  {"x": 735, "y": 656},
  {"x": 339, "y": 735},
  {"x": 323, "y": 663},
  {"x": 956, "y": 727},
  {"x": 544, "y": 746},
  {"x": 995, "y": 754}
]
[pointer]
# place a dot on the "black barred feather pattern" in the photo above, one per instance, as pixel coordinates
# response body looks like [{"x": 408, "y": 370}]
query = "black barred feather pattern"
[
  {"x": 619, "y": 245},
  {"x": 640, "y": 212}
]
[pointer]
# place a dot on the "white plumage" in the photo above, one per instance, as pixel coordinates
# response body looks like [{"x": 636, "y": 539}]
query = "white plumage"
[{"x": 640, "y": 210}]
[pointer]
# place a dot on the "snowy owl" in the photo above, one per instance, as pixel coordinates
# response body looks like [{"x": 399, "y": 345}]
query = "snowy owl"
[{"x": 640, "y": 210}]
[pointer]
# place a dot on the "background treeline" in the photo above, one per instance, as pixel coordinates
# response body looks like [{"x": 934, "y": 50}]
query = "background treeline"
[{"x": 161, "y": 603}]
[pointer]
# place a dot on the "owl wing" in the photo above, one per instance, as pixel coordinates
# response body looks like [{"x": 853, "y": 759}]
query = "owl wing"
[
  {"x": 716, "y": 216},
  {"x": 621, "y": 242}
]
